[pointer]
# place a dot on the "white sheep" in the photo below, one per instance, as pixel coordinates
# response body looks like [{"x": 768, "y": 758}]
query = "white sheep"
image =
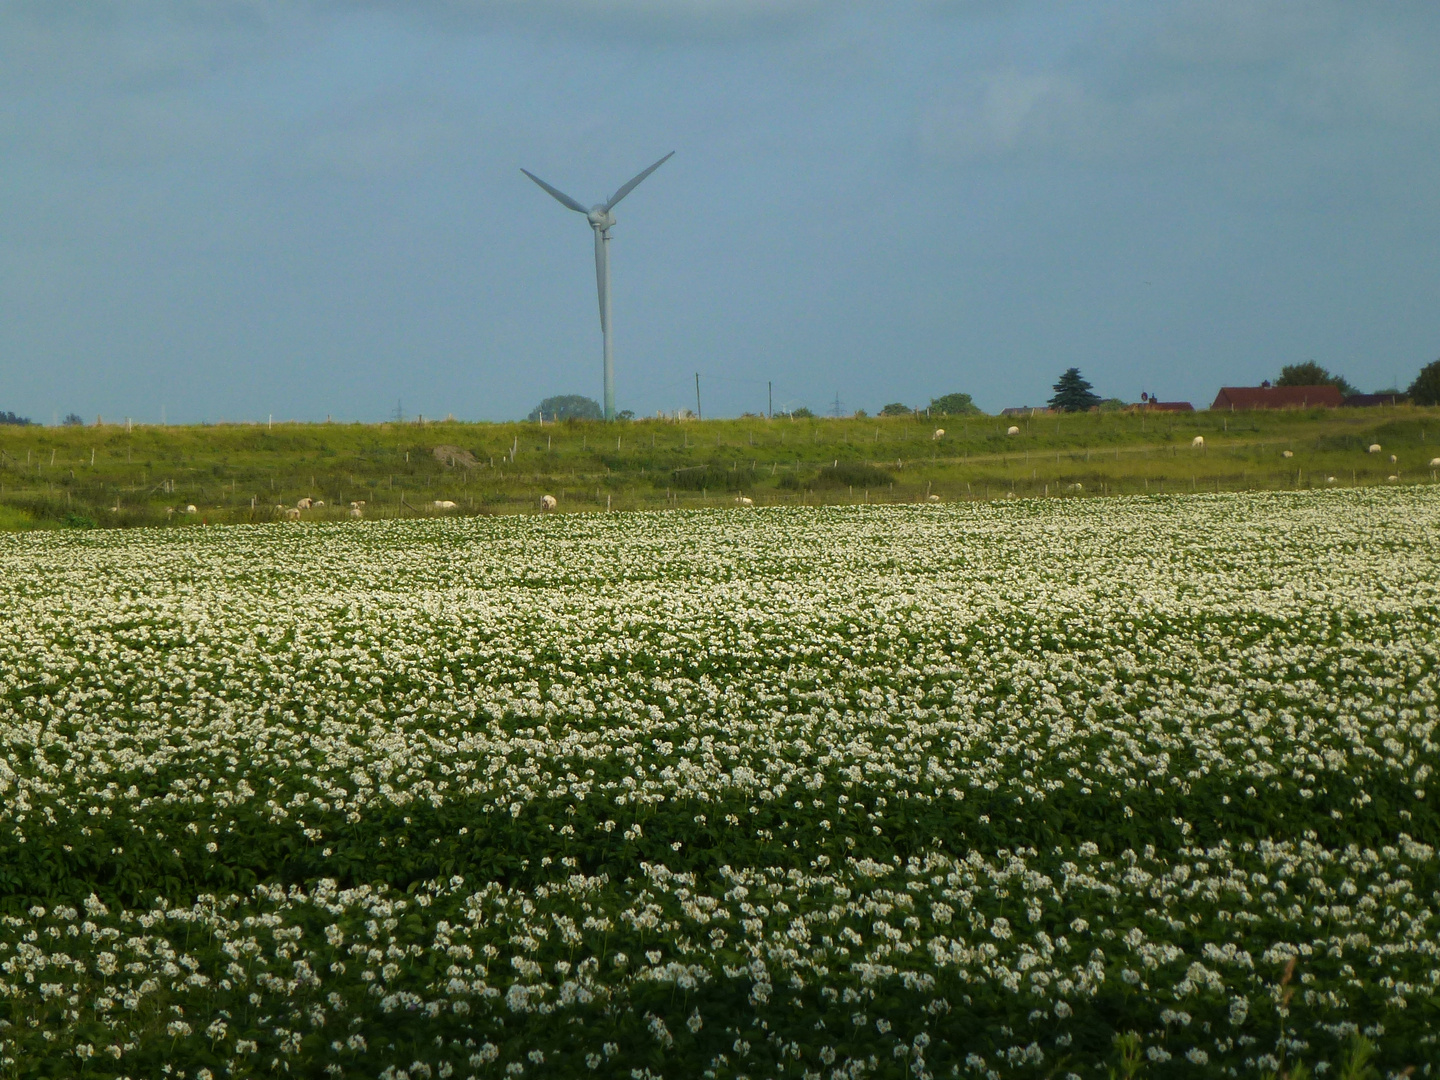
[
  {"x": 293, "y": 513},
  {"x": 191, "y": 509},
  {"x": 357, "y": 512},
  {"x": 1198, "y": 442},
  {"x": 443, "y": 504},
  {"x": 1393, "y": 459},
  {"x": 304, "y": 504},
  {"x": 1374, "y": 448},
  {"x": 1329, "y": 479},
  {"x": 932, "y": 498},
  {"x": 743, "y": 500},
  {"x": 939, "y": 433},
  {"x": 1076, "y": 486},
  {"x": 1392, "y": 476},
  {"x": 1287, "y": 453},
  {"x": 318, "y": 503},
  {"x": 547, "y": 503},
  {"x": 1013, "y": 430},
  {"x": 1435, "y": 463}
]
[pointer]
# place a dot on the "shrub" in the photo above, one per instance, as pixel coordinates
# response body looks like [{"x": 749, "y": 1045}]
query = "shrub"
[
  {"x": 712, "y": 476},
  {"x": 567, "y": 407},
  {"x": 840, "y": 474}
]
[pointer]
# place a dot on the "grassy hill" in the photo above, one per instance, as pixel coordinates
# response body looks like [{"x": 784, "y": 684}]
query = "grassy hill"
[{"x": 114, "y": 475}]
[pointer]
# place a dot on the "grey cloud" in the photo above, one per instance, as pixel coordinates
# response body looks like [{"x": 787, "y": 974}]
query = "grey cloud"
[
  {"x": 680, "y": 19},
  {"x": 152, "y": 42},
  {"x": 134, "y": 47},
  {"x": 1208, "y": 80}
]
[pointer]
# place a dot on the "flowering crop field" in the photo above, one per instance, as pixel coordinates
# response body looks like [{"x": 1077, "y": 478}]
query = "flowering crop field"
[{"x": 1027, "y": 790}]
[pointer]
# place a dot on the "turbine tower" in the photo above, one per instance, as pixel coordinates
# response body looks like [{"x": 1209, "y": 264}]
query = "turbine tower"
[{"x": 601, "y": 220}]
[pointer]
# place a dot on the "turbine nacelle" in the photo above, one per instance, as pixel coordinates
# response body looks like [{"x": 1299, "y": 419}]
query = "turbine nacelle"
[{"x": 600, "y": 217}]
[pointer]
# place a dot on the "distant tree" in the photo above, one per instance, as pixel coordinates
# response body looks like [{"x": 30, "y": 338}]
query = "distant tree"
[
  {"x": 1312, "y": 374},
  {"x": 802, "y": 413},
  {"x": 954, "y": 405},
  {"x": 896, "y": 409},
  {"x": 1073, "y": 393},
  {"x": 567, "y": 407},
  {"x": 1112, "y": 404},
  {"x": 1425, "y": 390},
  {"x": 861, "y": 414},
  {"x": 73, "y": 420},
  {"x": 625, "y": 414},
  {"x": 18, "y": 421}
]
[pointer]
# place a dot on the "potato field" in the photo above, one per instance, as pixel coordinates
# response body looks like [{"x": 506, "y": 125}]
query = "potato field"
[{"x": 1135, "y": 787}]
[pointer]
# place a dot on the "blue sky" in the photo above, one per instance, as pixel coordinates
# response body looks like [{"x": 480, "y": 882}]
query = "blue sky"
[{"x": 315, "y": 207}]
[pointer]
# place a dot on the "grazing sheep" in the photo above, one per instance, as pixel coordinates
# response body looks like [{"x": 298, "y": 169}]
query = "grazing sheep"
[
  {"x": 279, "y": 509},
  {"x": 1393, "y": 459},
  {"x": 1198, "y": 441},
  {"x": 1013, "y": 430},
  {"x": 1435, "y": 463},
  {"x": 356, "y": 512},
  {"x": 1329, "y": 479},
  {"x": 742, "y": 500},
  {"x": 939, "y": 433},
  {"x": 318, "y": 503},
  {"x": 304, "y": 504},
  {"x": 547, "y": 503},
  {"x": 443, "y": 504},
  {"x": 1287, "y": 453},
  {"x": 169, "y": 511},
  {"x": 293, "y": 513},
  {"x": 932, "y": 498},
  {"x": 1374, "y": 448},
  {"x": 1392, "y": 476},
  {"x": 191, "y": 509},
  {"x": 1076, "y": 487}
]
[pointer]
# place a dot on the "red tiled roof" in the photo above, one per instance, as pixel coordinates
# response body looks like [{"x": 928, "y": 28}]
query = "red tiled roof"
[{"x": 1278, "y": 397}]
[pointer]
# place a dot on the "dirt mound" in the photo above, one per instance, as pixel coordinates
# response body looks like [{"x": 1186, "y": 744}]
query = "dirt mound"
[{"x": 453, "y": 456}]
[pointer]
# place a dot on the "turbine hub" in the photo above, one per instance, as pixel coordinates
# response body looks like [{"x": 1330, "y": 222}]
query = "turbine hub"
[{"x": 600, "y": 218}]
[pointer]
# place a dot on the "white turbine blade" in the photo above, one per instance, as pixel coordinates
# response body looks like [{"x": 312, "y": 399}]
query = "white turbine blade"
[
  {"x": 602, "y": 275},
  {"x": 560, "y": 196},
  {"x": 633, "y": 183}
]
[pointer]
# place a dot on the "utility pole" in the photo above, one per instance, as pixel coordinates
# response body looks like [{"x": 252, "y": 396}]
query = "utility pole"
[
  {"x": 698, "y": 414},
  {"x": 770, "y": 395}
]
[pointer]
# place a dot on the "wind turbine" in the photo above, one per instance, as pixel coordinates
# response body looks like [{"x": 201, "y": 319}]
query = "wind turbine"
[{"x": 601, "y": 220}]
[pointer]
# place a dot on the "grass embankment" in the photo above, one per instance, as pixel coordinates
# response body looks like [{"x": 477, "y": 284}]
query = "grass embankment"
[{"x": 111, "y": 475}]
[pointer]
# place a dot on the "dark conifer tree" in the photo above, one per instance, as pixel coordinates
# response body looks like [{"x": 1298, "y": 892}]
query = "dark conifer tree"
[{"x": 1073, "y": 393}]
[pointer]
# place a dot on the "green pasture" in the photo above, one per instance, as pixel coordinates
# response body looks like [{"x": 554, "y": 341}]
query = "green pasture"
[{"x": 122, "y": 475}]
